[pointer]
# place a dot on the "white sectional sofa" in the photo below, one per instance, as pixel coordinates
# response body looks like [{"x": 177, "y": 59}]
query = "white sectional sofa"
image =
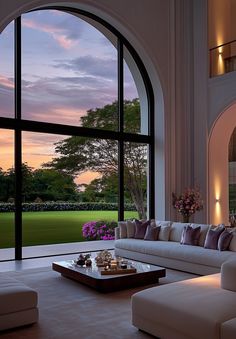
[
  {"x": 168, "y": 252},
  {"x": 18, "y": 303},
  {"x": 203, "y": 307}
]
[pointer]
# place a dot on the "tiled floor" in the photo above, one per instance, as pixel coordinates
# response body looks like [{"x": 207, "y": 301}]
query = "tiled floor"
[{"x": 49, "y": 253}]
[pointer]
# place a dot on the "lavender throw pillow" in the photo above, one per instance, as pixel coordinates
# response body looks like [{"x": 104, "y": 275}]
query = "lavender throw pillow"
[
  {"x": 190, "y": 235},
  {"x": 212, "y": 237},
  {"x": 224, "y": 240},
  {"x": 140, "y": 228},
  {"x": 152, "y": 232}
]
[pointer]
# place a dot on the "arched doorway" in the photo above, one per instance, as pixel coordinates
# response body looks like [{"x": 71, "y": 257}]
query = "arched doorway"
[{"x": 218, "y": 173}]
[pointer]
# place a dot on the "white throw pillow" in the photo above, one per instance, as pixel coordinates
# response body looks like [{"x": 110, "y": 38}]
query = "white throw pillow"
[
  {"x": 130, "y": 228},
  {"x": 176, "y": 231},
  {"x": 165, "y": 229},
  {"x": 123, "y": 229}
]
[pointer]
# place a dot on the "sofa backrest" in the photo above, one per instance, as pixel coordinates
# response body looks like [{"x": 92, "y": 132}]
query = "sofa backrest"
[
  {"x": 171, "y": 231},
  {"x": 177, "y": 229}
]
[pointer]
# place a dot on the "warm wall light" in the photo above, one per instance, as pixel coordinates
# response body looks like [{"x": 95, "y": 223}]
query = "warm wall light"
[{"x": 217, "y": 200}]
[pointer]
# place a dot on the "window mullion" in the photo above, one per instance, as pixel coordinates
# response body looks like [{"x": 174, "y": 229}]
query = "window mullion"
[
  {"x": 121, "y": 129},
  {"x": 18, "y": 148}
]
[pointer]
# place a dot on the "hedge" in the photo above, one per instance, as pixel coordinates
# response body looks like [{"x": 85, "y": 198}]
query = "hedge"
[{"x": 64, "y": 206}]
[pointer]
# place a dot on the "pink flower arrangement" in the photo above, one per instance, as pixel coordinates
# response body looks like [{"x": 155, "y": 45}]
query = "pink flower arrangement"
[
  {"x": 99, "y": 230},
  {"x": 188, "y": 202}
]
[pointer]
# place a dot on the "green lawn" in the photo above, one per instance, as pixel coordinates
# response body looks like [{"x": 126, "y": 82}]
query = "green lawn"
[{"x": 41, "y": 228}]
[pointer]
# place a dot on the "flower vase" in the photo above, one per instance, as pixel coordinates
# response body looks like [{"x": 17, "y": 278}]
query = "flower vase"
[{"x": 185, "y": 218}]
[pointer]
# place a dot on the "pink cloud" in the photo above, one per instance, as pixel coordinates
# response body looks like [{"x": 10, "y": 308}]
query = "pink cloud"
[
  {"x": 6, "y": 82},
  {"x": 63, "y": 41},
  {"x": 58, "y": 34}
]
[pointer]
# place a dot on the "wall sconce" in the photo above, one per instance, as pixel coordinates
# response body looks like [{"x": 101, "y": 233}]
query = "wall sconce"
[
  {"x": 217, "y": 200},
  {"x": 220, "y": 50}
]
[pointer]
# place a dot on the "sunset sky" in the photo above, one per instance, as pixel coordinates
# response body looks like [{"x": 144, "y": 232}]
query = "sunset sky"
[{"x": 68, "y": 67}]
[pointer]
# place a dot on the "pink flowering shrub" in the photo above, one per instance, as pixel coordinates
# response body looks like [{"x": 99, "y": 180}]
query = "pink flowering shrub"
[
  {"x": 188, "y": 202},
  {"x": 99, "y": 230}
]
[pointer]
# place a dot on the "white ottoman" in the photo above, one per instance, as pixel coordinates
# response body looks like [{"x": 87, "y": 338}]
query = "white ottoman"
[
  {"x": 18, "y": 304},
  {"x": 189, "y": 309}
]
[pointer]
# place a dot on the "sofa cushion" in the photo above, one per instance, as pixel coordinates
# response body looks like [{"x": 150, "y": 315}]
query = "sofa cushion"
[
  {"x": 130, "y": 228},
  {"x": 196, "y": 307},
  {"x": 224, "y": 240},
  {"x": 176, "y": 231},
  {"x": 212, "y": 237},
  {"x": 190, "y": 235},
  {"x": 140, "y": 228},
  {"x": 152, "y": 232},
  {"x": 123, "y": 229},
  {"x": 164, "y": 233},
  {"x": 203, "y": 232},
  {"x": 228, "y": 329},
  {"x": 166, "y": 249}
]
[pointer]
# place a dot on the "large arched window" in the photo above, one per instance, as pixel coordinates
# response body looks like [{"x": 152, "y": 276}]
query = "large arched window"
[{"x": 77, "y": 112}]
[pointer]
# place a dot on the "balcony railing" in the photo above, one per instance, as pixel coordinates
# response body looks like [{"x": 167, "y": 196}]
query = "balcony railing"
[{"x": 223, "y": 59}]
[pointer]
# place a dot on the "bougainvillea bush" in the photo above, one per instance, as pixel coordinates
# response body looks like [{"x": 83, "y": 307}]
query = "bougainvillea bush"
[{"x": 99, "y": 230}]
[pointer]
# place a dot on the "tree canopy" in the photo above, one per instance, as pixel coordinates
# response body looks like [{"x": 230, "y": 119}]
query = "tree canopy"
[
  {"x": 76, "y": 154},
  {"x": 44, "y": 184}
]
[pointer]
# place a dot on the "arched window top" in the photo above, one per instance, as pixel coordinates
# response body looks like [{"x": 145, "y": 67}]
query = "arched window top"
[{"x": 72, "y": 65}]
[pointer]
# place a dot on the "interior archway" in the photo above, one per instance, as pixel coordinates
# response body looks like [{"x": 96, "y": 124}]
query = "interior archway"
[{"x": 218, "y": 179}]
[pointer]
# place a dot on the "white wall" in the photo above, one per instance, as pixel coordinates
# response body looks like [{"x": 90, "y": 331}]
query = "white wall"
[{"x": 221, "y": 111}]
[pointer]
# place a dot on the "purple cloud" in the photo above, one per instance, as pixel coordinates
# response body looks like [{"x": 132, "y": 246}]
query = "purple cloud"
[{"x": 91, "y": 65}]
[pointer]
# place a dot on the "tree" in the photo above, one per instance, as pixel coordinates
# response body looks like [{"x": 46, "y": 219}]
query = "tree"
[
  {"x": 49, "y": 184},
  {"x": 4, "y": 186},
  {"x": 46, "y": 184},
  {"x": 80, "y": 154},
  {"x": 102, "y": 189}
]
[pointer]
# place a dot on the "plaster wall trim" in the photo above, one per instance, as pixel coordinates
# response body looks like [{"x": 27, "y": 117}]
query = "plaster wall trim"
[
  {"x": 181, "y": 119},
  {"x": 222, "y": 95},
  {"x": 200, "y": 131}
]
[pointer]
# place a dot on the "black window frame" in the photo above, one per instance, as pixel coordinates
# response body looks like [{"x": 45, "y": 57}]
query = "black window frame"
[{"x": 19, "y": 125}]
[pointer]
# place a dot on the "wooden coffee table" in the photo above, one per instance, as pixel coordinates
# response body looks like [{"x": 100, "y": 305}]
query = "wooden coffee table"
[{"x": 146, "y": 274}]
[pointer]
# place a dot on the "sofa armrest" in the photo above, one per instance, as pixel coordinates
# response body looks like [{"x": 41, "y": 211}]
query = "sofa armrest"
[{"x": 117, "y": 233}]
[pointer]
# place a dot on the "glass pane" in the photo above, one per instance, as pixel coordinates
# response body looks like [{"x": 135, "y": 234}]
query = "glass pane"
[
  {"x": 135, "y": 179},
  {"x": 135, "y": 104},
  {"x": 7, "y": 72},
  {"x": 7, "y": 194},
  {"x": 67, "y": 182},
  {"x": 69, "y": 68}
]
